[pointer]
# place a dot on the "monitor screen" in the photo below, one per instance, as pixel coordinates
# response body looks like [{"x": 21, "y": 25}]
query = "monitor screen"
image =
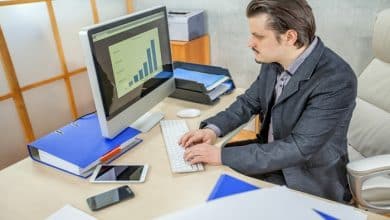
[{"x": 131, "y": 57}]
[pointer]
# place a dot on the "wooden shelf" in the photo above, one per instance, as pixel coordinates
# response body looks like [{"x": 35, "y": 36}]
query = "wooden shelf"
[
  {"x": 194, "y": 51},
  {"x": 247, "y": 134},
  {"x": 243, "y": 135}
]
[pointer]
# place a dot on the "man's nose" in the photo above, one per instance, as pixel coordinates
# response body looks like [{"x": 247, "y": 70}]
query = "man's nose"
[{"x": 251, "y": 44}]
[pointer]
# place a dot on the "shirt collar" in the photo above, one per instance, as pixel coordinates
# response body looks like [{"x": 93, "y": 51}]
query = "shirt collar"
[{"x": 292, "y": 68}]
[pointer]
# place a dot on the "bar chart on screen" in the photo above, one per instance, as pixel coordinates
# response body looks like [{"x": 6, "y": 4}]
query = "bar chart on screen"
[{"x": 130, "y": 71}]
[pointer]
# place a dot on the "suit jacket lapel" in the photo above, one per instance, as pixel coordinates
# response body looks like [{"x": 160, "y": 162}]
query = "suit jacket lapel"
[
  {"x": 270, "y": 87},
  {"x": 303, "y": 73}
]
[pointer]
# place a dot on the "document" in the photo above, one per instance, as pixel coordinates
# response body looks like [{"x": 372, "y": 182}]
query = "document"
[
  {"x": 69, "y": 212},
  {"x": 337, "y": 210},
  {"x": 256, "y": 204},
  {"x": 268, "y": 203},
  {"x": 219, "y": 90}
]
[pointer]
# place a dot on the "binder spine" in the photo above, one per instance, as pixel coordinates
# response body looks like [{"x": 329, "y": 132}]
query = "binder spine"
[{"x": 35, "y": 156}]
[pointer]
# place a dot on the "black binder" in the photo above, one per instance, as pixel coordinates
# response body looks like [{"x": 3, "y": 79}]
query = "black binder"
[{"x": 194, "y": 91}]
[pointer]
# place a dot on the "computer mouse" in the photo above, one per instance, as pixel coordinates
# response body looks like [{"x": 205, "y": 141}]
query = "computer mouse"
[{"x": 188, "y": 113}]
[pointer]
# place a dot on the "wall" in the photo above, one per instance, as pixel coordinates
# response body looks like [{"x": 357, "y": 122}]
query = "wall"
[
  {"x": 344, "y": 25},
  {"x": 43, "y": 64}
]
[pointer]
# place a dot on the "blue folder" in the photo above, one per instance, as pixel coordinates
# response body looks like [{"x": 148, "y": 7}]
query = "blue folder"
[
  {"x": 204, "y": 78},
  {"x": 79, "y": 146},
  {"x": 228, "y": 185}
]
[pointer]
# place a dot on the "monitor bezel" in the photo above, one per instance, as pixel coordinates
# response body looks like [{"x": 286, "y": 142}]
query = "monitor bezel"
[
  {"x": 115, "y": 23},
  {"x": 137, "y": 112}
]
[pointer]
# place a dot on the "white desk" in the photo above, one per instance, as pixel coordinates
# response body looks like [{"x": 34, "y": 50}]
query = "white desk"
[{"x": 30, "y": 190}]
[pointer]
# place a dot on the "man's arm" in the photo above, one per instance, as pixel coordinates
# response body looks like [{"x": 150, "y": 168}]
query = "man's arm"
[
  {"x": 237, "y": 113},
  {"x": 329, "y": 103}
]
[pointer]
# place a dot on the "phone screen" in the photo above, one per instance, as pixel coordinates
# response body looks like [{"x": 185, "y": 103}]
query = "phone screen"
[
  {"x": 110, "y": 197},
  {"x": 119, "y": 173}
]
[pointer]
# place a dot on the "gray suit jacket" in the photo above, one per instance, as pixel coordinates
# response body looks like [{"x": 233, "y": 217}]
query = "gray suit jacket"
[{"x": 310, "y": 124}]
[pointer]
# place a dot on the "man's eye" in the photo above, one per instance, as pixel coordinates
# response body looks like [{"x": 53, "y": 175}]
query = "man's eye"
[{"x": 259, "y": 37}]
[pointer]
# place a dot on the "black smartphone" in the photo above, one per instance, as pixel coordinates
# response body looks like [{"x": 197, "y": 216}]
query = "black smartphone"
[{"x": 109, "y": 198}]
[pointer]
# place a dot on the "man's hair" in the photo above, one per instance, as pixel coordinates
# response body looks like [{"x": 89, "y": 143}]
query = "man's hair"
[{"x": 284, "y": 15}]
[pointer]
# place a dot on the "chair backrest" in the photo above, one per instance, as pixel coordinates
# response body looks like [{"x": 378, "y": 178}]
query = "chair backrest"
[{"x": 369, "y": 132}]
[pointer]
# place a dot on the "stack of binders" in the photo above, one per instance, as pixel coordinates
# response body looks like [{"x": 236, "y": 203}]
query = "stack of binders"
[{"x": 201, "y": 83}]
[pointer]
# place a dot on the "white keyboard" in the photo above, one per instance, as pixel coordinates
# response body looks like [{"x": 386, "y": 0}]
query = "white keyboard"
[{"x": 172, "y": 131}]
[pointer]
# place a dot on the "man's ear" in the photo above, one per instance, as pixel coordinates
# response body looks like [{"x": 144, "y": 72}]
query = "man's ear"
[{"x": 291, "y": 36}]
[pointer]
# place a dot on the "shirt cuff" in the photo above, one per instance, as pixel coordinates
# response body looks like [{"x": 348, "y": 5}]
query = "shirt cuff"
[{"x": 213, "y": 127}]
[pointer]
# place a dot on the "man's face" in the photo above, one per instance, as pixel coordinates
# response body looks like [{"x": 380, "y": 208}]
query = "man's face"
[{"x": 263, "y": 40}]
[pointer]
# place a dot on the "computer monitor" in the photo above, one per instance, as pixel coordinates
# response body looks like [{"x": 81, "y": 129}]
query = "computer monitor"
[{"x": 129, "y": 67}]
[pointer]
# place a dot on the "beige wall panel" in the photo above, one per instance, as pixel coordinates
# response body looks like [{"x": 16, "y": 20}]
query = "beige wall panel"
[
  {"x": 3, "y": 82},
  {"x": 108, "y": 9},
  {"x": 12, "y": 143},
  {"x": 71, "y": 16},
  {"x": 48, "y": 107},
  {"x": 30, "y": 41},
  {"x": 83, "y": 94}
]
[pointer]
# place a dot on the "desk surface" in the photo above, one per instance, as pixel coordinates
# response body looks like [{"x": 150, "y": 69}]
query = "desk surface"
[{"x": 30, "y": 190}]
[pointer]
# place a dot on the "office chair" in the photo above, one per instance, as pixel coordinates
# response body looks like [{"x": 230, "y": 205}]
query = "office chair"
[{"x": 369, "y": 131}]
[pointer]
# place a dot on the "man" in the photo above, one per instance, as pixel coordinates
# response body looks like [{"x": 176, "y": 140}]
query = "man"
[{"x": 304, "y": 94}]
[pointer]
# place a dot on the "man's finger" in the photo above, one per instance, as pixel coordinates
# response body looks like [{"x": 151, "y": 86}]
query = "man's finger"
[
  {"x": 188, "y": 143},
  {"x": 208, "y": 141},
  {"x": 187, "y": 155},
  {"x": 193, "y": 139},
  {"x": 185, "y": 137},
  {"x": 198, "y": 159}
]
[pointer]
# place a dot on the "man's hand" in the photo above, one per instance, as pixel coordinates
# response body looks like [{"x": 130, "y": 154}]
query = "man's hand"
[
  {"x": 199, "y": 136},
  {"x": 203, "y": 153}
]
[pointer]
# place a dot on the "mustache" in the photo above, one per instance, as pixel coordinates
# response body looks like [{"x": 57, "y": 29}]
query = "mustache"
[{"x": 254, "y": 49}]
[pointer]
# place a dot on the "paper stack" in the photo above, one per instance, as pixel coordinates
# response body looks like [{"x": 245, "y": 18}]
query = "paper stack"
[{"x": 203, "y": 86}]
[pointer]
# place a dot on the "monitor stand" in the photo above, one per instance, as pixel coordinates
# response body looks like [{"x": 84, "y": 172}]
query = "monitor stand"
[{"x": 147, "y": 121}]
